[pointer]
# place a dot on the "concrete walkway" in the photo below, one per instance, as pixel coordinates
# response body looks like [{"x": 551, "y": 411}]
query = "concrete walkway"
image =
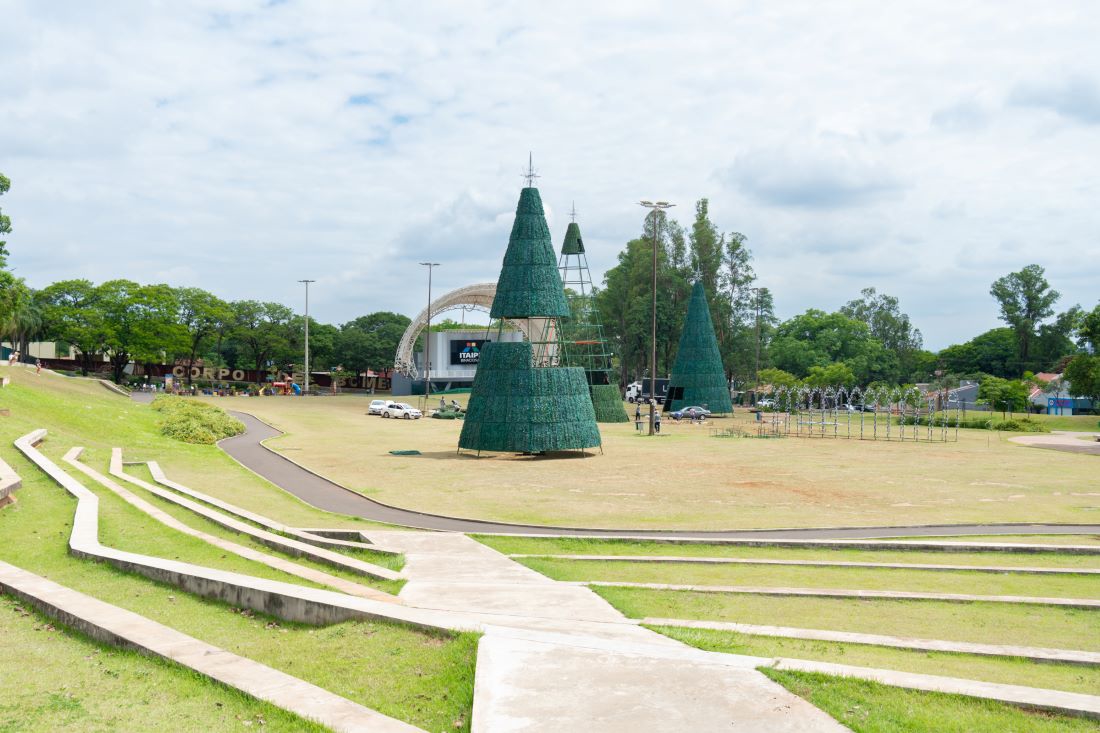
[
  {"x": 764, "y": 590},
  {"x": 815, "y": 563},
  {"x": 1038, "y": 654},
  {"x": 1062, "y": 440},
  {"x": 248, "y": 450},
  {"x": 272, "y": 561},
  {"x": 117, "y": 626},
  {"x": 556, "y": 657}
]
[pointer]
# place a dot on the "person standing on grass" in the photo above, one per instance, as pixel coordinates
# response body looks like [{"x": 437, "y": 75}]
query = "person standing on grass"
[
  {"x": 657, "y": 422},
  {"x": 37, "y": 366}
]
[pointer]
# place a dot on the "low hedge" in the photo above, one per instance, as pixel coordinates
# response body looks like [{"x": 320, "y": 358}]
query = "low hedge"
[
  {"x": 189, "y": 421},
  {"x": 1022, "y": 425}
]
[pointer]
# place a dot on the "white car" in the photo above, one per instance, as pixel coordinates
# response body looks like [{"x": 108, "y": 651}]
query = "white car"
[
  {"x": 400, "y": 409},
  {"x": 376, "y": 406}
]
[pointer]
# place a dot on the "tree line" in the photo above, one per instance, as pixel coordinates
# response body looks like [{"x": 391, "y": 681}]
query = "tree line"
[
  {"x": 124, "y": 321},
  {"x": 868, "y": 340}
]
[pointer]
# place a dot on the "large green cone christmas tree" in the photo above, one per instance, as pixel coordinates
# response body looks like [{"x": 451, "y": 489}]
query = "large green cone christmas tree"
[
  {"x": 698, "y": 377},
  {"x": 586, "y": 346},
  {"x": 524, "y": 399}
]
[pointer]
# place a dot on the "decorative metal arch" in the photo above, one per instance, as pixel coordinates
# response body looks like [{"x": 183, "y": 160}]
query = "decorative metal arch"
[{"x": 479, "y": 296}]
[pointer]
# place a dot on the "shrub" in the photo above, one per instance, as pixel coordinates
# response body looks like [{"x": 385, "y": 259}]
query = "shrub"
[
  {"x": 1023, "y": 425},
  {"x": 195, "y": 422}
]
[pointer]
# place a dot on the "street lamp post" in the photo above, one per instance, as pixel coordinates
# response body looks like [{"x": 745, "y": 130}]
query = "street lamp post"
[
  {"x": 756, "y": 364},
  {"x": 654, "y": 207},
  {"x": 305, "y": 387},
  {"x": 428, "y": 337}
]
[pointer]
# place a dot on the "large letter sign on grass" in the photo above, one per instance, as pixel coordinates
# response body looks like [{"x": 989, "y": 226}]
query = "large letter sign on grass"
[
  {"x": 698, "y": 377},
  {"x": 523, "y": 399}
]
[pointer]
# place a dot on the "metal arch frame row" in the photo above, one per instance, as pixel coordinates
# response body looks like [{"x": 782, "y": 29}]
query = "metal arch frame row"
[{"x": 480, "y": 296}]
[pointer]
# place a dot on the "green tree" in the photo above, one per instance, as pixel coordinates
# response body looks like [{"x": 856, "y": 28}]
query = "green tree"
[
  {"x": 140, "y": 323},
  {"x": 71, "y": 313},
  {"x": 370, "y": 341},
  {"x": 202, "y": 315},
  {"x": 21, "y": 307},
  {"x": 1026, "y": 300},
  {"x": 624, "y": 301},
  {"x": 1006, "y": 395},
  {"x": 890, "y": 326},
  {"x": 993, "y": 352},
  {"x": 1083, "y": 376},
  {"x": 837, "y": 374},
  {"x": 322, "y": 344},
  {"x": 778, "y": 378},
  {"x": 5, "y": 222},
  {"x": 745, "y": 299},
  {"x": 1088, "y": 330},
  {"x": 262, "y": 330},
  {"x": 816, "y": 338}
]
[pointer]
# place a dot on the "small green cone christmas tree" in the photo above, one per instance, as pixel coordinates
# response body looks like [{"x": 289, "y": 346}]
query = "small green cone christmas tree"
[
  {"x": 586, "y": 346},
  {"x": 698, "y": 377},
  {"x": 524, "y": 399}
]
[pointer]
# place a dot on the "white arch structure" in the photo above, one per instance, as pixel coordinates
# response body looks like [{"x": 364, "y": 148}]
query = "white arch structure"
[{"x": 479, "y": 296}]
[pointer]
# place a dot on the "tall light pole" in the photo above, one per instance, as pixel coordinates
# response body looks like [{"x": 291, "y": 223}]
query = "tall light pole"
[
  {"x": 756, "y": 365},
  {"x": 654, "y": 207},
  {"x": 305, "y": 388},
  {"x": 428, "y": 337}
]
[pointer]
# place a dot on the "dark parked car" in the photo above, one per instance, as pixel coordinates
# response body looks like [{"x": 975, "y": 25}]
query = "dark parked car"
[{"x": 691, "y": 413}]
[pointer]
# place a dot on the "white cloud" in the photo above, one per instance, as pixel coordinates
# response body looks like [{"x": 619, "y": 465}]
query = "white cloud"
[{"x": 213, "y": 144}]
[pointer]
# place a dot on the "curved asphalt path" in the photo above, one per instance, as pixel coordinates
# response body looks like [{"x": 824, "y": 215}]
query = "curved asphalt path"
[{"x": 324, "y": 494}]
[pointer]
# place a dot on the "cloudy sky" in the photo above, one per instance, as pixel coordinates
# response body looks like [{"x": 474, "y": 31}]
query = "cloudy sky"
[{"x": 924, "y": 150}]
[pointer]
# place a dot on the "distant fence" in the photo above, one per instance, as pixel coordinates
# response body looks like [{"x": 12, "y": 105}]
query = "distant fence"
[{"x": 892, "y": 414}]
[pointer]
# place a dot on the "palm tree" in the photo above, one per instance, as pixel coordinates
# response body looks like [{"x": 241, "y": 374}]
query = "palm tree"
[{"x": 23, "y": 322}]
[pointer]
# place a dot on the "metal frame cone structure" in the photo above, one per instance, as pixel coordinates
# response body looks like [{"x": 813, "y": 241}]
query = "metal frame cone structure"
[
  {"x": 583, "y": 332},
  {"x": 698, "y": 378},
  {"x": 524, "y": 398}
]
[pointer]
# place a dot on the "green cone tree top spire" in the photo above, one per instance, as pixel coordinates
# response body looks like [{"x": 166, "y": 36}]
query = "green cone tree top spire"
[
  {"x": 698, "y": 377},
  {"x": 586, "y": 346},
  {"x": 529, "y": 285},
  {"x": 573, "y": 245}
]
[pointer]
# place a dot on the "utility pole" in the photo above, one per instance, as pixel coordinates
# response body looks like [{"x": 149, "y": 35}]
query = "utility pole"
[
  {"x": 654, "y": 207},
  {"x": 756, "y": 364},
  {"x": 305, "y": 388},
  {"x": 428, "y": 337}
]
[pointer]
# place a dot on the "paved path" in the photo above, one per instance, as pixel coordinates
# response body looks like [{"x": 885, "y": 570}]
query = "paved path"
[
  {"x": 1062, "y": 440},
  {"x": 1039, "y": 654},
  {"x": 327, "y": 495},
  {"x": 557, "y": 657},
  {"x": 768, "y": 590},
  {"x": 813, "y": 563}
]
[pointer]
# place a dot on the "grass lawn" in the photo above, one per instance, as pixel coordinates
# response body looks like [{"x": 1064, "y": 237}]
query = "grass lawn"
[
  {"x": 793, "y": 576},
  {"x": 78, "y": 684},
  {"x": 986, "y": 623},
  {"x": 425, "y": 679},
  {"x": 869, "y": 707},
  {"x": 574, "y": 546},
  {"x": 1021, "y": 539},
  {"x": 1006, "y": 670},
  {"x": 684, "y": 478}
]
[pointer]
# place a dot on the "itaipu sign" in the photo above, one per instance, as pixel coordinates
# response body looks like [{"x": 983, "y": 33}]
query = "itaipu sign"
[
  {"x": 223, "y": 373},
  {"x": 467, "y": 352}
]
